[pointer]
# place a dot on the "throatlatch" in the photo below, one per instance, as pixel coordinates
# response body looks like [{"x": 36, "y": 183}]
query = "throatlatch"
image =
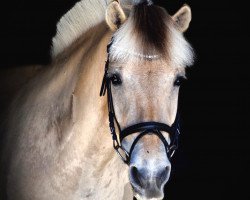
[{"x": 141, "y": 128}]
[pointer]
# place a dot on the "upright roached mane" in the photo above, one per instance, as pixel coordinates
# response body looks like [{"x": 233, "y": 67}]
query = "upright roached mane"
[
  {"x": 78, "y": 20},
  {"x": 84, "y": 15}
]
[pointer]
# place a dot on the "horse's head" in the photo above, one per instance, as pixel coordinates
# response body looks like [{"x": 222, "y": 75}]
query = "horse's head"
[{"x": 147, "y": 60}]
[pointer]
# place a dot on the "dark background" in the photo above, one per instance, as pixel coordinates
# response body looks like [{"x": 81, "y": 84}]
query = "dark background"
[{"x": 213, "y": 160}]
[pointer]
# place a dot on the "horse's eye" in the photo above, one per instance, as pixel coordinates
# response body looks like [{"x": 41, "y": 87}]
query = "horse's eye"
[
  {"x": 179, "y": 80},
  {"x": 116, "y": 79}
]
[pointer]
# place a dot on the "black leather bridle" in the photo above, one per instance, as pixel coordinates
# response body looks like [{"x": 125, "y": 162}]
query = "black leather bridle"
[{"x": 141, "y": 128}]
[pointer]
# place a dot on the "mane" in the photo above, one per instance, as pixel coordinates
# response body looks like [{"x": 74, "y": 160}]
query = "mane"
[
  {"x": 79, "y": 19},
  {"x": 84, "y": 15},
  {"x": 150, "y": 33}
]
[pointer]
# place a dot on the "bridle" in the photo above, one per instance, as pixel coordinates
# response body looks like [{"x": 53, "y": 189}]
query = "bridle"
[{"x": 143, "y": 128}]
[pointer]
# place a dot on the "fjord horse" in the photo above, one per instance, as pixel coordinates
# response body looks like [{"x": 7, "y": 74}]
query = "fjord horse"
[{"x": 58, "y": 143}]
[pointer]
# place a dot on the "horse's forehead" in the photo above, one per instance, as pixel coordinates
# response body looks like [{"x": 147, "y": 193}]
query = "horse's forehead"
[{"x": 147, "y": 67}]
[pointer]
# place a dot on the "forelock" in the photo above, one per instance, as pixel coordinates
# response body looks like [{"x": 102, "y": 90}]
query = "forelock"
[{"x": 150, "y": 33}]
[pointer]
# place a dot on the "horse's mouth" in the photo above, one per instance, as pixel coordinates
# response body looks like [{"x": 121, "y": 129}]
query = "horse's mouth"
[
  {"x": 139, "y": 197},
  {"x": 150, "y": 194}
]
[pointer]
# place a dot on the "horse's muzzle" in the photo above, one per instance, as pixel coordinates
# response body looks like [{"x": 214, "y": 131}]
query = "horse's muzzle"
[{"x": 149, "y": 183}]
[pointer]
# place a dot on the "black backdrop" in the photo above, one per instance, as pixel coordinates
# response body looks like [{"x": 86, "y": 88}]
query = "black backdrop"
[{"x": 213, "y": 161}]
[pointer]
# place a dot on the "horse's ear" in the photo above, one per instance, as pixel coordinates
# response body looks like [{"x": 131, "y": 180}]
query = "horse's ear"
[
  {"x": 115, "y": 15},
  {"x": 182, "y": 18}
]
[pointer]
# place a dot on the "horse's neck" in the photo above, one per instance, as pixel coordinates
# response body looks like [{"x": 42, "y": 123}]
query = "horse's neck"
[
  {"x": 89, "y": 138},
  {"x": 77, "y": 75}
]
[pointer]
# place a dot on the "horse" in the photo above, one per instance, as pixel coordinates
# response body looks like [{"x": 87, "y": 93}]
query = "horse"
[{"x": 57, "y": 142}]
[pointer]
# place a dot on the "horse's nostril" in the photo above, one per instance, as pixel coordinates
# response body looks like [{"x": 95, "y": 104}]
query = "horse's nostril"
[
  {"x": 136, "y": 176},
  {"x": 162, "y": 176}
]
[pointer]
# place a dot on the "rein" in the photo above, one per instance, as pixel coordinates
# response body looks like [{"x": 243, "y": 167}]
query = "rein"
[{"x": 143, "y": 128}]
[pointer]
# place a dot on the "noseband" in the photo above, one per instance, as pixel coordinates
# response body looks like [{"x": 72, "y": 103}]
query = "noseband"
[{"x": 144, "y": 128}]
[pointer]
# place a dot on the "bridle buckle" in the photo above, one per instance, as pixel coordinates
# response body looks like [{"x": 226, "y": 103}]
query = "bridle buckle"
[{"x": 118, "y": 148}]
